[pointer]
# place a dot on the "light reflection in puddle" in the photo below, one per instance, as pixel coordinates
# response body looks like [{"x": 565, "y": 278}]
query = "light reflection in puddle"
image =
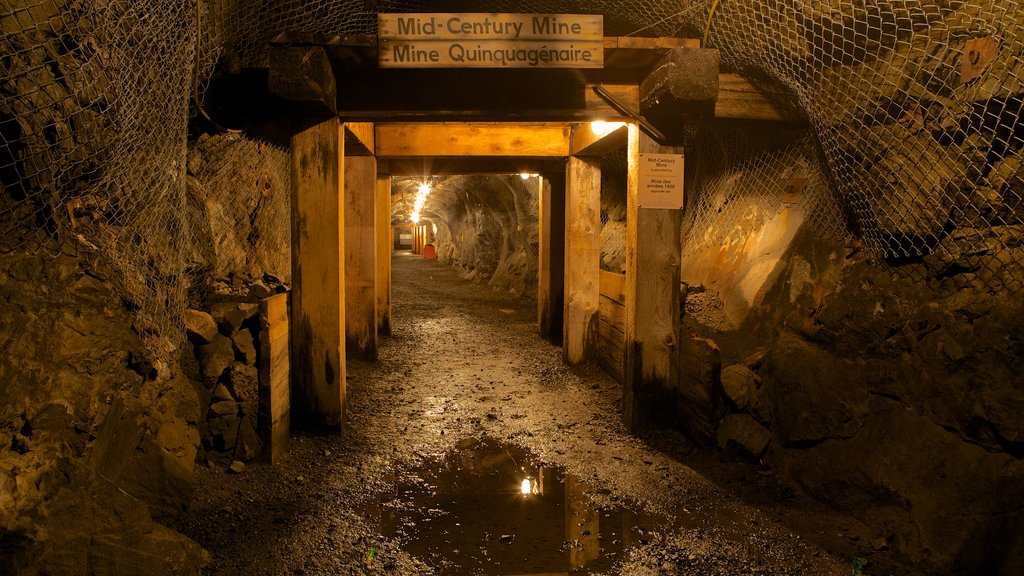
[{"x": 493, "y": 508}]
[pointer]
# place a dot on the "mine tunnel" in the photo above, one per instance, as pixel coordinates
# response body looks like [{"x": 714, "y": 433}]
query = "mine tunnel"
[{"x": 339, "y": 287}]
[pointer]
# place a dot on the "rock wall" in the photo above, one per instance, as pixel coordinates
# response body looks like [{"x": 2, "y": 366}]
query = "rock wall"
[
  {"x": 97, "y": 442},
  {"x": 892, "y": 390}
]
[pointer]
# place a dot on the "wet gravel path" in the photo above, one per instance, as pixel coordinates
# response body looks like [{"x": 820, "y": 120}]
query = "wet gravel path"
[{"x": 466, "y": 363}]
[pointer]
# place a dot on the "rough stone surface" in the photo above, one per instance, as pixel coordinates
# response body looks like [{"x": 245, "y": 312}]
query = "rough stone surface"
[
  {"x": 814, "y": 395},
  {"x": 94, "y": 449},
  {"x": 893, "y": 392},
  {"x": 743, "y": 388},
  {"x": 229, "y": 316},
  {"x": 221, "y": 392},
  {"x": 215, "y": 357},
  {"x": 224, "y": 408},
  {"x": 248, "y": 444},
  {"x": 200, "y": 326},
  {"x": 699, "y": 388},
  {"x": 244, "y": 347},
  {"x": 743, "y": 432}
]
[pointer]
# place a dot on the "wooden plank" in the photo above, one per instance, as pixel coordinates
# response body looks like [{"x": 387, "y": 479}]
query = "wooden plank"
[
  {"x": 613, "y": 313},
  {"x": 613, "y": 285},
  {"x": 359, "y": 138},
  {"x": 651, "y": 299},
  {"x": 360, "y": 257},
  {"x": 597, "y": 108},
  {"x": 582, "y": 257},
  {"x": 474, "y": 165},
  {"x": 318, "y": 272},
  {"x": 586, "y": 142},
  {"x": 274, "y": 421},
  {"x": 610, "y": 350},
  {"x": 385, "y": 94},
  {"x": 472, "y": 139},
  {"x": 741, "y": 100},
  {"x": 648, "y": 43},
  {"x": 551, "y": 255},
  {"x": 384, "y": 248}
]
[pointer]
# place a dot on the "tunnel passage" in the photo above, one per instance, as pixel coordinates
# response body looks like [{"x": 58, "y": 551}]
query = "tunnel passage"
[
  {"x": 849, "y": 317},
  {"x": 484, "y": 226}
]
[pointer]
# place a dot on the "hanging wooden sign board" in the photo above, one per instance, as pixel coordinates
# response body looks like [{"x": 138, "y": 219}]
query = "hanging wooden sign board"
[{"x": 490, "y": 40}]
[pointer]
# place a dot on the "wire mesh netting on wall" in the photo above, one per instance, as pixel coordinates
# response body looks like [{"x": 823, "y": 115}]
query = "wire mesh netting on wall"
[{"x": 914, "y": 110}]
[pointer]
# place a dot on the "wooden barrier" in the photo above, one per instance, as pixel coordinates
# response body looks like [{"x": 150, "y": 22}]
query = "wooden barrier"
[
  {"x": 274, "y": 420},
  {"x": 611, "y": 328}
]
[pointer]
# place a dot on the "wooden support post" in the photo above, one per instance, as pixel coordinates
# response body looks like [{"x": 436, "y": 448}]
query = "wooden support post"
[
  {"x": 318, "y": 272},
  {"x": 385, "y": 241},
  {"x": 651, "y": 298},
  {"x": 275, "y": 395},
  {"x": 360, "y": 257},
  {"x": 582, "y": 257},
  {"x": 551, "y": 256}
]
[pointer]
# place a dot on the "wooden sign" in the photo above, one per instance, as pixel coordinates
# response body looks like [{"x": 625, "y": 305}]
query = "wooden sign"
[
  {"x": 490, "y": 41},
  {"x": 661, "y": 181}
]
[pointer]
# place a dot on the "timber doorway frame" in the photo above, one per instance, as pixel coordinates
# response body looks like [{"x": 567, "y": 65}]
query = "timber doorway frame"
[{"x": 357, "y": 133}]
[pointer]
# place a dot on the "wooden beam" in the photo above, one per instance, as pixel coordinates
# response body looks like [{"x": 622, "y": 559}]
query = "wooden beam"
[
  {"x": 586, "y": 106},
  {"x": 385, "y": 242},
  {"x": 598, "y": 109},
  {"x": 585, "y": 142},
  {"x": 359, "y": 138},
  {"x": 473, "y": 165},
  {"x": 651, "y": 292},
  {"x": 360, "y": 257},
  {"x": 318, "y": 272},
  {"x": 582, "y": 257},
  {"x": 551, "y": 255},
  {"x": 472, "y": 139},
  {"x": 741, "y": 100},
  {"x": 274, "y": 390},
  {"x": 302, "y": 75}
]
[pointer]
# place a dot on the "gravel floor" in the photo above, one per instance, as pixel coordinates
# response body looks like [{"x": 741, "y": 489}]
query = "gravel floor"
[{"x": 465, "y": 364}]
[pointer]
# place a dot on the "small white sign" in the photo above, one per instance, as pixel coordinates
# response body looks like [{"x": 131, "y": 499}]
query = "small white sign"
[{"x": 661, "y": 181}]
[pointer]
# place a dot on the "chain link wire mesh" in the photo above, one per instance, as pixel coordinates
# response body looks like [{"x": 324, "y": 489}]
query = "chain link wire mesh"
[
  {"x": 93, "y": 116},
  {"x": 914, "y": 108}
]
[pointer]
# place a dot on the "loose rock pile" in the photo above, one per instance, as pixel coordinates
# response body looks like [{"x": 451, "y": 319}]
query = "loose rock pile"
[{"x": 226, "y": 340}]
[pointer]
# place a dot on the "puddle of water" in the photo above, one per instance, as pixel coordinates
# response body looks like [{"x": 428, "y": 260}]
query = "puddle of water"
[{"x": 494, "y": 508}]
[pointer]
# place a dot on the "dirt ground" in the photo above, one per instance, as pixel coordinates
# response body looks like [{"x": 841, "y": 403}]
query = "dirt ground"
[{"x": 465, "y": 365}]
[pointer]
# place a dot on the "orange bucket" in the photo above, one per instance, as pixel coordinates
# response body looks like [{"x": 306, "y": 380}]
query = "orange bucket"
[{"x": 429, "y": 252}]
